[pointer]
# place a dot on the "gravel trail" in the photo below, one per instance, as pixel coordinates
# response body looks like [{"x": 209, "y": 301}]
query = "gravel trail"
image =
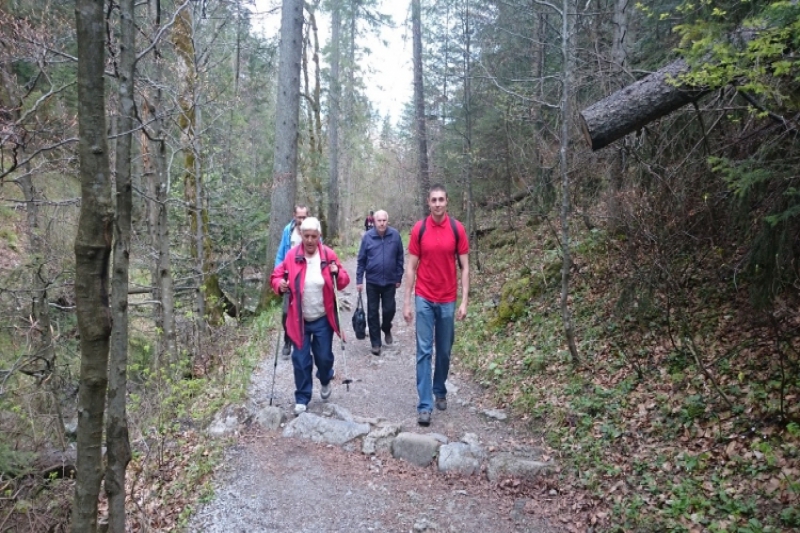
[{"x": 272, "y": 483}]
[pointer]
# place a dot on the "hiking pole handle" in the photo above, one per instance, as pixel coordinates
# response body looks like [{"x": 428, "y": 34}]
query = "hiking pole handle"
[{"x": 286, "y": 294}]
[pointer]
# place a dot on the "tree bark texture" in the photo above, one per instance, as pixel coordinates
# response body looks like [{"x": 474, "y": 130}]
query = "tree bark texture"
[
  {"x": 118, "y": 443},
  {"x": 566, "y": 265},
  {"x": 92, "y": 252},
  {"x": 333, "y": 121},
  {"x": 419, "y": 107},
  {"x": 154, "y": 151},
  {"x": 636, "y": 105},
  {"x": 287, "y": 111}
]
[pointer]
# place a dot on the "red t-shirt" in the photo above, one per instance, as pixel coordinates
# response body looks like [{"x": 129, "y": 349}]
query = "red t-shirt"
[{"x": 437, "y": 279}]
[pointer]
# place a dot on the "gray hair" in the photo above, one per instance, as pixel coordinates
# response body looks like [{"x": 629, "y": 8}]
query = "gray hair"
[{"x": 311, "y": 223}]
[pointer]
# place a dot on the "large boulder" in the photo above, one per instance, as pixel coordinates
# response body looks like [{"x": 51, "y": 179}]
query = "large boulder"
[
  {"x": 328, "y": 430},
  {"x": 415, "y": 448}
]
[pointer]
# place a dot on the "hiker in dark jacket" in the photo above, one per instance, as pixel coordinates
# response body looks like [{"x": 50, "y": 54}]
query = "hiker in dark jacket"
[{"x": 381, "y": 259}]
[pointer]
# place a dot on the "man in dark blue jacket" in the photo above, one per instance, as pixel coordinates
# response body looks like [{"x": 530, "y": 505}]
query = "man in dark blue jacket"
[{"x": 381, "y": 258}]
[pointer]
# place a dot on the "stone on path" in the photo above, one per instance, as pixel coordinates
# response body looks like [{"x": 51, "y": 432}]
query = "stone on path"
[
  {"x": 315, "y": 428},
  {"x": 415, "y": 448},
  {"x": 464, "y": 457},
  {"x": 424, "y": 524},
  {"x": 520, "y": 465},
  {"x": 337, "y": 411},
  {"x": 380, "y": 439},
  {"x": 270, "y": 417},
  {"x": 497, "y": 414}
]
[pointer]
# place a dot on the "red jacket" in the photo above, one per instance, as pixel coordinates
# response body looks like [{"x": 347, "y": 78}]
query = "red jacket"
[{"x": 295, "y": 264}]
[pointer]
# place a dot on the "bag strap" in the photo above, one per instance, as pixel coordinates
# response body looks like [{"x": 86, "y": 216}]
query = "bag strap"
[{"x": 360, "y": 304}]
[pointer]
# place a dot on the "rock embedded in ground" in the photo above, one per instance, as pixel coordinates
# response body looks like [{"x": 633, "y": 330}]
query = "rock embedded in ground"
[
  {"x": 497, "y": 414},
  {"x": 518, "y": 465},
  {"x": 328, "y": 430},
  {"x": 457, "y": 457},
  {"x": 337, "y": 411},
  {"x": 380, "y": 439},
  {"x": 270, "y": 417},
  {"x": 415, "y": 448}
]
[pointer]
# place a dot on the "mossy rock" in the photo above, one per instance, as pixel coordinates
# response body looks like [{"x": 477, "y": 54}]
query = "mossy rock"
[
  {"x": 498, "y": 239},
  {"x": 517, "y": 294}
]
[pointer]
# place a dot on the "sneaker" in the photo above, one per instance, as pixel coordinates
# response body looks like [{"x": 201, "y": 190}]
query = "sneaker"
[
  {"x": 287, "y": 350},
  {"x": 389, "y": 339},
  {"x": 325, "y": 391},
  {"x": 376, "y": 350},
  {"x": 441, "y": 404},
  {"x": 424, "y": 418},
  {"x": 299, "y": 409}
]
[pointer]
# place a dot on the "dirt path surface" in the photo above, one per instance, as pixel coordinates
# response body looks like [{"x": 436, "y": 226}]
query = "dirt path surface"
[{"x": 272, "y": 483}]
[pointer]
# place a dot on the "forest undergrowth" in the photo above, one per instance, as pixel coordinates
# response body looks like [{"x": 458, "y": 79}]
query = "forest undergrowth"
[{"x": 682, "y": 413}]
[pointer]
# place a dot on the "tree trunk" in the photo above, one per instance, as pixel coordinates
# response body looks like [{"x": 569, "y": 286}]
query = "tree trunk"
[
  {"x": 419, "y": 107},
  {"x": 163, "y": 291},
  {"x": 630, "y": 108},
  {"x": 313, "y": 116},
  {"x": 333, "y": 121},
  {"x": 284, "y": 167},
  {"x": 468, "y": 123},
  {"x": 155, "y": 160},
  {"x": 211, "y": 301},
  {"x": 619, "y": 48},
  {"x": 119, "y": 448},
  {"x": 350, "y": 132},
  {"x": 566, "y": 266},
  {"x": 92, "y": 251}
]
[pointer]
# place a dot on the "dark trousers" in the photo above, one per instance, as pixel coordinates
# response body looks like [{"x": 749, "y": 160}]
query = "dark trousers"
[{"x": 380, "y": 296}]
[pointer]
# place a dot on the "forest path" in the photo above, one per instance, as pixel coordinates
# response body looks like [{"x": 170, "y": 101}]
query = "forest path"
[{"x": 272, "y": 483}]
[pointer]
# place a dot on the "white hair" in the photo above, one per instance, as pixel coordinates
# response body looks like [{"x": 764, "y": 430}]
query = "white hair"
[{"x": 311, "y": 223}]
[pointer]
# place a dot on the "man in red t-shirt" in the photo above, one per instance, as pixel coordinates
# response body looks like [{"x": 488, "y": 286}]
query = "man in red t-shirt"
[{"x": 431, "y": 268}]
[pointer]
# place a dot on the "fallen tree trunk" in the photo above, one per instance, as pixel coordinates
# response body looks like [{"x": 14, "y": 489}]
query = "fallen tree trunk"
[{"x": 632, "y": 107}]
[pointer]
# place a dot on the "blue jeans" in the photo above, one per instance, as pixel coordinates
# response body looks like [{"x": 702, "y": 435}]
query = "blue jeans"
[
  {"x": 380, "y": 296},
  {"x": 316, "y": 349},
  {"x": 434, "y": 322}
]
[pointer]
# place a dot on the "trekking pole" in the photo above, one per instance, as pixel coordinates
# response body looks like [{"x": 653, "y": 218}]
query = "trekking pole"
[
  {"x": 347, "y": 381},
  {"x": 284, "y": 311}
]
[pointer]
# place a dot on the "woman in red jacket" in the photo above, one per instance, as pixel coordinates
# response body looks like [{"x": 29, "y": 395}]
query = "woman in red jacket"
[{"x": 306, "y": 273}]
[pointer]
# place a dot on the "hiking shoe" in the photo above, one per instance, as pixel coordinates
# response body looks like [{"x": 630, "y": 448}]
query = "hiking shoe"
[
  {"x": 325, "y": 391},
  {"x": 441, "y": 404},
  {"x": 287, "y": 350},
  {"x": 424, "y": 418},
  {"x": 299, "y": 409},
  {"x": 376, "y": 350},
  {"x": 389, "y": 339}
]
